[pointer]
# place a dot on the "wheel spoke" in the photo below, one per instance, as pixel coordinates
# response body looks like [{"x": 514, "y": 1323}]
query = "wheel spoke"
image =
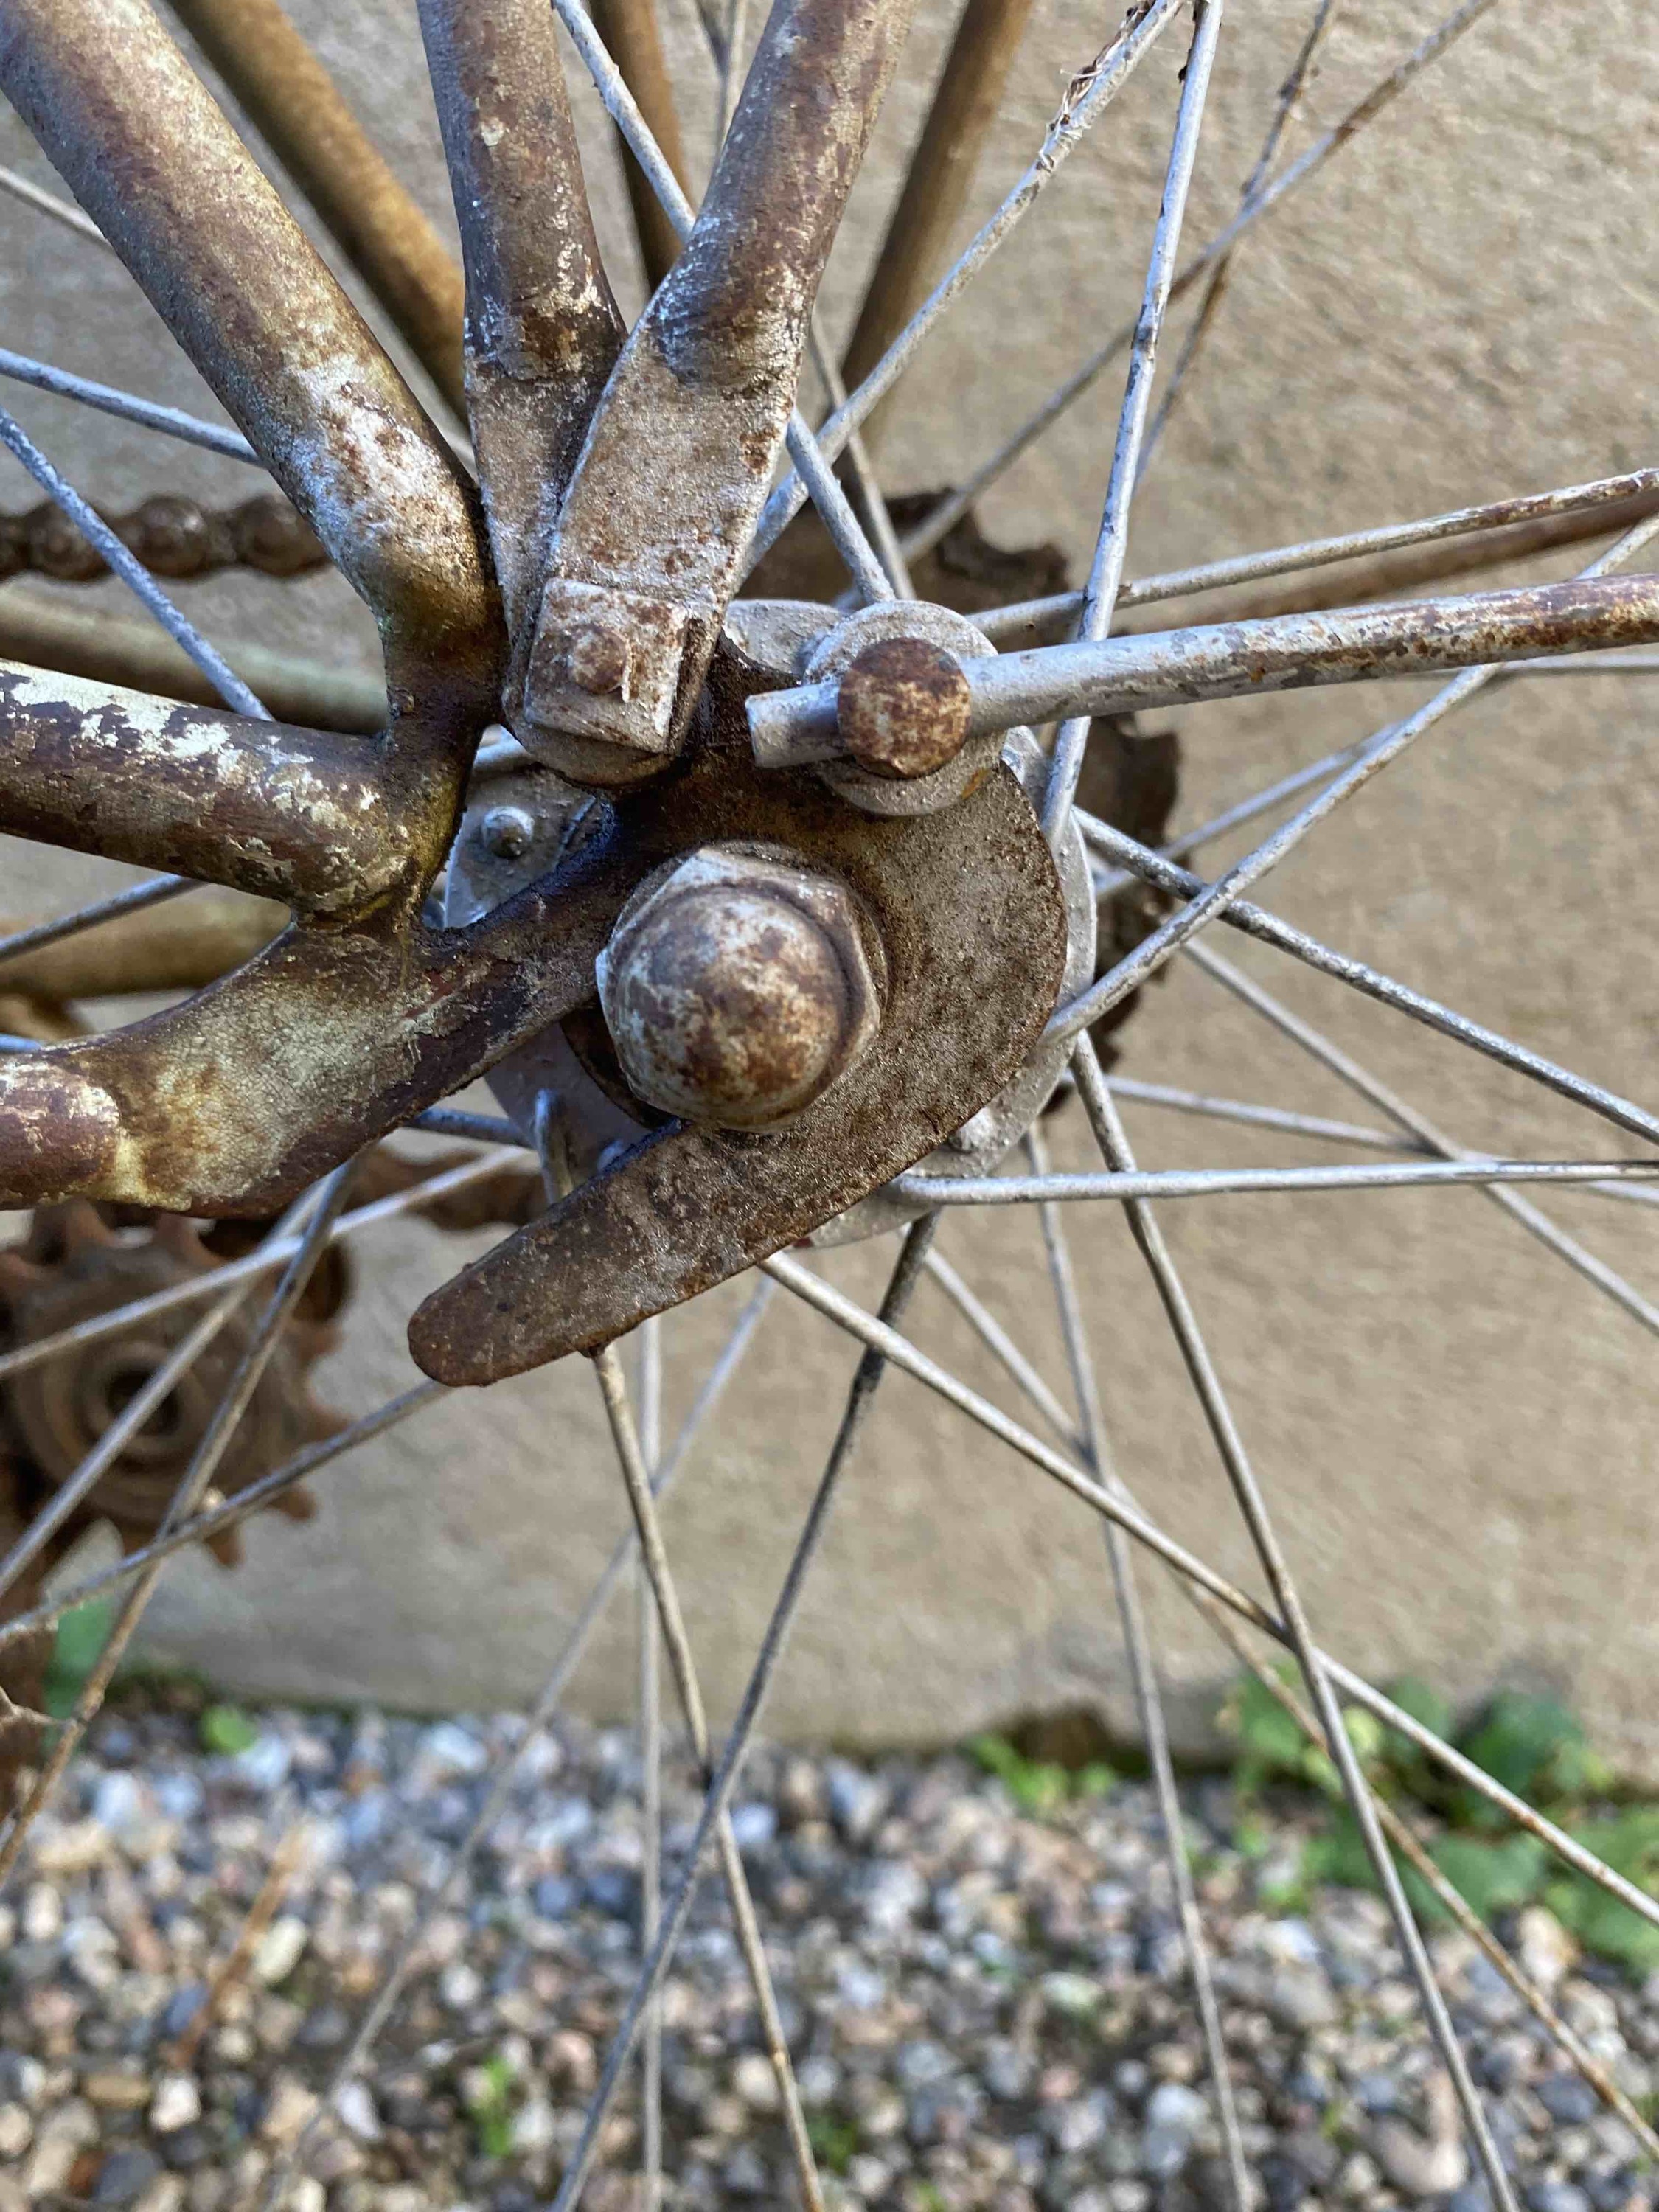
[
  {"x": 1405, "y": 1839},
  {"x": 613, "y": 1386},
  {"x": 1253, "y": 1508},
  {"x": 1203, "y": 322},
  {"x": 149, "y": 413},
  {"x": 1255, "y": 921},
  {"x": 846, "y": 531},
  {"x": 1424, "y": 1131},
  {"x": 934, "y": 193},
  {"x": 1090, "y": 92},
  {"x": 1608, "y": 503},
  {"x": 1259, "y": 1117},
  {"x": 882, "y": 535},
  {"x": 1220, "y": 825},
  {"x": 717, "y": 1800},
  {"x": 199, "y": 1527},
  {"x": 441, "y": 1887},
  {"x": 901, "y": 1354},
  {"x": 1002, "y": 1347},
  {"x": 1381, "y": 95},
  {"x": 117, "y": 1437},
  {"x": 323, "y": 1204},
  {"x": 137, "y": 578},
  {"x": 631, "y": 31},
  {"x": 1147, "y": 1183},
  {"x": 264, "y": 1262},
  {"x": 1112, "y": 545},
  {"x": 117, "y": 907},
  {"x": 1143, "y": 1677},
  {"x": 651, "y": 1756},
  {"x": 61, "y": 210}
]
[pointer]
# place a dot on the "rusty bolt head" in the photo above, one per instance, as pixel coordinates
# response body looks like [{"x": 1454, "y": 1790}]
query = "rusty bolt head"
[
  {"x": 598, "y": 658},
  {"x": 736, "y": 988},
  {"x": 506, "y": 832},
  {"x": 902, "y": 708}
]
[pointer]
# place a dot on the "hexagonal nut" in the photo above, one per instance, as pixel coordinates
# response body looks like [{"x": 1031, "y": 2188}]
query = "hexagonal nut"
[{"x": 737, "y": 987}]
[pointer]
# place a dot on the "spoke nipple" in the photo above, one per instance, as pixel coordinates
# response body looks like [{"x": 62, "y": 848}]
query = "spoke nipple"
[
  {"x": 506, "y": 832},
  {"x": 597, "y": 658},
  {"x": 902, "y": 708}
]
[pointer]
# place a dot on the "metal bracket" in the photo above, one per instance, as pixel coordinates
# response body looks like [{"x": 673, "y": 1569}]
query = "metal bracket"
[{"x": 688, "y": 1207}]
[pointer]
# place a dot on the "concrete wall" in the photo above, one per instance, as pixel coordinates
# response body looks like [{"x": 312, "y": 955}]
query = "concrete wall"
[{"x": 1455, "y": 1432}]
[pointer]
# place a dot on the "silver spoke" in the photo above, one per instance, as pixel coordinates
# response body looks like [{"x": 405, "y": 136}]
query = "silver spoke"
[
  {"x": 717, "y": 1800},
  {"x": 198, "y": 1526},
  {"x": 613, "y": 1386},
  {"x": 1002, "y": 1347},
  {"x": 651, "y": 1754},
  {"x": 1383, "y": 749},
  {"x": 1004, "y": 623},
  {"x": 263, "y": 1261},
  {"x": 882, "y": 535},
  {"x": 1381, "y": 95},
  {"x": 131, "y": 571},
  {"x": 1259, "y": 1117},
  {"x": 1112, "y": 545},
  {"x": 204, "y": 1463},
  {"x": 1091, "y": 92},
  {"x": 1220, "y": 825},
  {"x": 1146, "y": 1183},
  {"x": 1424, "y": 1131},
  {"x": 61, "y": 210},
  {"x": 1268, "y": 929},
  {"x": 1253, "y": 1507},
  {"x": 116, "y": 908},
  {"x": 1203, "y": 322},
  {"x": 116, "y": 1439},
  {"x": 148, "y": 413},
  {"x": 1143, "y": 1677},
  {"x": 871, "y": 1330},
  {"x": 846, "y": 531},
  {"x": 441, "y": 1887}
]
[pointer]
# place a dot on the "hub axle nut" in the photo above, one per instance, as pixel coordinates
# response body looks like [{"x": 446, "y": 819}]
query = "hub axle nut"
[{"x": 736, "y": 987}]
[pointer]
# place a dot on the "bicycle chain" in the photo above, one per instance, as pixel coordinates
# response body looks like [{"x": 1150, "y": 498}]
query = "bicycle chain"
[{"x": 174, "y": 536}]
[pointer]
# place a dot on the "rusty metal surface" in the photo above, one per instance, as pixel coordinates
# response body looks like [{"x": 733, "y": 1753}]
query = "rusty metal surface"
[
  {"x": 901, "y": 710},
  {"x": 1226, "y": 661},
  {"x": 109, "y": 648},
  {"x": 543, "y": 330},
  {"x": 172, "y": 536},
  {"x": 689, "y": 1207},
  {"x": 738, "y": 986},
  {"x": 298, "y": 110},
  {"x": 329, "y": 825},
  {"x": 150, "y": 155},
  {"x": 243, "y": 1096},
  {"x": 664, "y": 501}
]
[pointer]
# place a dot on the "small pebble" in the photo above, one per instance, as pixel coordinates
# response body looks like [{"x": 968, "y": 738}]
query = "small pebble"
[
  {"x": 989, "y": 2012},
  {"x": 177, "y": 2103}
]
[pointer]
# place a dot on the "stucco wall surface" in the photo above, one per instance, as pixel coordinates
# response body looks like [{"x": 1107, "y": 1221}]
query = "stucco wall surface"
[{"x": 1454, "y": 1430}]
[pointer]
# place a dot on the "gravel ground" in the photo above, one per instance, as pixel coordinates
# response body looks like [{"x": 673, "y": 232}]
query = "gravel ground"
[{"x": 986, "y": 2010}]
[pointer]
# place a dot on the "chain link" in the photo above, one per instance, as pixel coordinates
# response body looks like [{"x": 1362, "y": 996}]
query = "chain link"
[{"x": 173, "y": 537}]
